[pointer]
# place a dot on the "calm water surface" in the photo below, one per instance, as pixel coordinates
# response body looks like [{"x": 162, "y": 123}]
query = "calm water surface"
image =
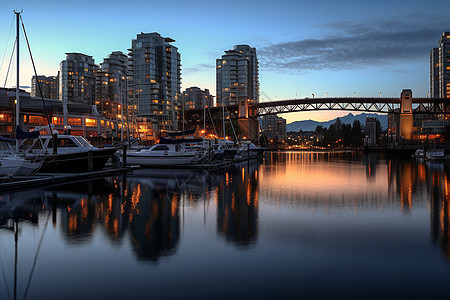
[{"x": 297, "y": 225}]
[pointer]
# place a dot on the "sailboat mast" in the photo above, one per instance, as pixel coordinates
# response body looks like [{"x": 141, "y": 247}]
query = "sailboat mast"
[
  {"x": 223, "y": 120},
  {"x": 121, "y": 108},
  {"x": 17, "y": 80},
  {"x": 204, "y": 119}
]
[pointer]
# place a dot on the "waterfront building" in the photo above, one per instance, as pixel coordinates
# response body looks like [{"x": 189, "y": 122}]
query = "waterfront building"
[
  {"x": 370, "y": 132},
  {"x": 83, "y": 119},
  {"x": 196, "y": 98},
  {"x": 154, "y": 85},
  {"x": 273, "y": 127},
  {"x": 237, "y": 76},
  {"x": 48, "y": 84},
  {"x": 77, "y": 79},
  {"x": 434, "y": 73},
  {"x": 111, "y": 89},
  {"x": 440, "y": 68}
]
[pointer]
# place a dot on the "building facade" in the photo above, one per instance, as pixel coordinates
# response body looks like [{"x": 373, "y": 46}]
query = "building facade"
[
  {"x": 48, "y": 86},
  {"x": 155, "y": 80},
  {"x": 370, "y": 132},
  {"x": 111, "y": 86},
  {"x": 273, "y": 127},
  {"x": 434, "y": 73},
  {"x": 440, "y": 68},
  {"x": 77, "y": 79},
  {"x": 196, "y": 98},
  {"x": 237, "y": 76}
]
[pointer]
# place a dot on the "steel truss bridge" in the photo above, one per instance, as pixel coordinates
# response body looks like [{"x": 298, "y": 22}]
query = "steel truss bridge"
[
  {"x": 362, "y": 104},
  {"x": 375, "y": 105}
]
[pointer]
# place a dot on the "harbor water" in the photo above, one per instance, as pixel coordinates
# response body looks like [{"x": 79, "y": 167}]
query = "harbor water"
[{"x": 293, "y": 225}]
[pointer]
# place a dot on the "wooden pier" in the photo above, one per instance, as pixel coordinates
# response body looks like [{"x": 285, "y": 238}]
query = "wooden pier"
[{"x": 42, "y": 179}]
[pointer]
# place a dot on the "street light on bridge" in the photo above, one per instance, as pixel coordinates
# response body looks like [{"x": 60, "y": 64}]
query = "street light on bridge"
[
  {"x": 354, "y": 94},
  {"x": 326, "y": 94},
  {"x": 380, "y": 94}
]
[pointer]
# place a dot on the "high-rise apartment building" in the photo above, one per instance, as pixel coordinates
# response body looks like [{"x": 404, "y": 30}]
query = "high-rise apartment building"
[
  {"x": 155, "y": 79},
  {"x": 111, "y": 88},
  {"x": 77, "y": 79},
  {"x": 237, "y": 76},
  {"x": 273, "y": 127},
  {"x": 48, "y": 84},
  {"x": 196, "y": 98},
  {"x": 434, "y": 73},
  {"x": 440, "y": 68}
]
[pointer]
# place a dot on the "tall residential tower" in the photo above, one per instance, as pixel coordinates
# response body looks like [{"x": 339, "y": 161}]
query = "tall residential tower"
[
  {"x": 111, "y": 88},
  {"x": 237, "y": 77},
  {"x": 155, "y": 79},
  {"x": 440, "y": 68},
  {"x": 77, "y": 79},
  {"x": 49, "y": 86}
]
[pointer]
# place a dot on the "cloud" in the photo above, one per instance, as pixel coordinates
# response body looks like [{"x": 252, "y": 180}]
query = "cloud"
[
  {"x": 350, "y": 45},
  {"x": 198, "y": 68}
]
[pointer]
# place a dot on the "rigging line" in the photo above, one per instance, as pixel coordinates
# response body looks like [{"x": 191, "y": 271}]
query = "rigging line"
[
  {"x": 7, "y": 42},
  {"x": 35, "y": 73},
  {"x": 232, "y": 127},
  {"x": 37, "y": 253},
  {"x": 10, "y": 61},
  {"x": 212, "y": 121}
]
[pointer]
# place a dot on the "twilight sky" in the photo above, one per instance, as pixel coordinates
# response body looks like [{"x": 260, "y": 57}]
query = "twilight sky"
[{"x": 304, "y": 47}]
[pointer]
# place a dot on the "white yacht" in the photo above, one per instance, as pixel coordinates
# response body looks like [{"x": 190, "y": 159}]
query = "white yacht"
[
  {"x": 435, "y": 154},
  {"x": 162, "y": 155},
  {"x": 250, "y": 150},
  {"x": 12, "y": 164}
]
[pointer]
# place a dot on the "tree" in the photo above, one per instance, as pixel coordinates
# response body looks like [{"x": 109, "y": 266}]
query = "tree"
[{"x": 357, "y": 133}]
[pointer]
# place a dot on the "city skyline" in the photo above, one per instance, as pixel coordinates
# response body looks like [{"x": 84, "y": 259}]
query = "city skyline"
[{"x": 303, "y": 49}]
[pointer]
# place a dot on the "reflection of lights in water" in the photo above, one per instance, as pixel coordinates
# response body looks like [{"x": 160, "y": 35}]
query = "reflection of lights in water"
[
  {"x": 110, "y": 203},
  {"x": 135, "y": 197},
  {"x": 174, "y": 205},
  {"x": 84, "y": 208},
  {"x": 73, "y": 223},
  {"x": 122, "y": 208}
]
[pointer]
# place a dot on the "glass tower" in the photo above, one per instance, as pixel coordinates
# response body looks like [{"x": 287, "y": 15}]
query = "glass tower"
[
  {"x": 155, "y": 79},
  {"x": 237, "y": 77},
  {"x": 77, "y": 79}
]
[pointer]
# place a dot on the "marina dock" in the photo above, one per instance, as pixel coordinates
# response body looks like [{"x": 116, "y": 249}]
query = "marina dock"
[{"x": 45, "y": 179}]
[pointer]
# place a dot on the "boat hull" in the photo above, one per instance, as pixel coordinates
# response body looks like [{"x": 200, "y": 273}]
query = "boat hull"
[
  {"x": 77, "y": 162},
  {"x": 146, "y": 160},
  {"x": 10, "y": 165}
]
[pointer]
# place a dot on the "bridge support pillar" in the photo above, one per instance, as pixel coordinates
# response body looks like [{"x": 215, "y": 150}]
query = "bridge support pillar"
[
  {"x": 249, "y": 128},
  {"x": 243, "y": 108},
  {"x": 406, "y": 115}
]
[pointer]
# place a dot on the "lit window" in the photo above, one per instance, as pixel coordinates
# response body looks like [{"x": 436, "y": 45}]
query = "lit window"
[{"x": 90, "y": 122}]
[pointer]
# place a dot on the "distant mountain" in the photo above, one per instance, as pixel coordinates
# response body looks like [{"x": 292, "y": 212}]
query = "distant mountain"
[{"x": 310, "y": 125}]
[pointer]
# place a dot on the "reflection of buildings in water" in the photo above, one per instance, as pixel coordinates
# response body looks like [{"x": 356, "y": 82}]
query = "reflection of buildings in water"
[
  {"x": 404, "y": 176},
  {"x": 23, "y": 205},
  {"x": 155, "y": 228},
  {"x": 83, "y": 205},
  {"x": 371, "y": 164},
  {"x": 173, "y": 180},
  {"x": 78, "y": 217},
  {"x": 440, "y": 209},
  {"x": 237, "y": 205}
]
